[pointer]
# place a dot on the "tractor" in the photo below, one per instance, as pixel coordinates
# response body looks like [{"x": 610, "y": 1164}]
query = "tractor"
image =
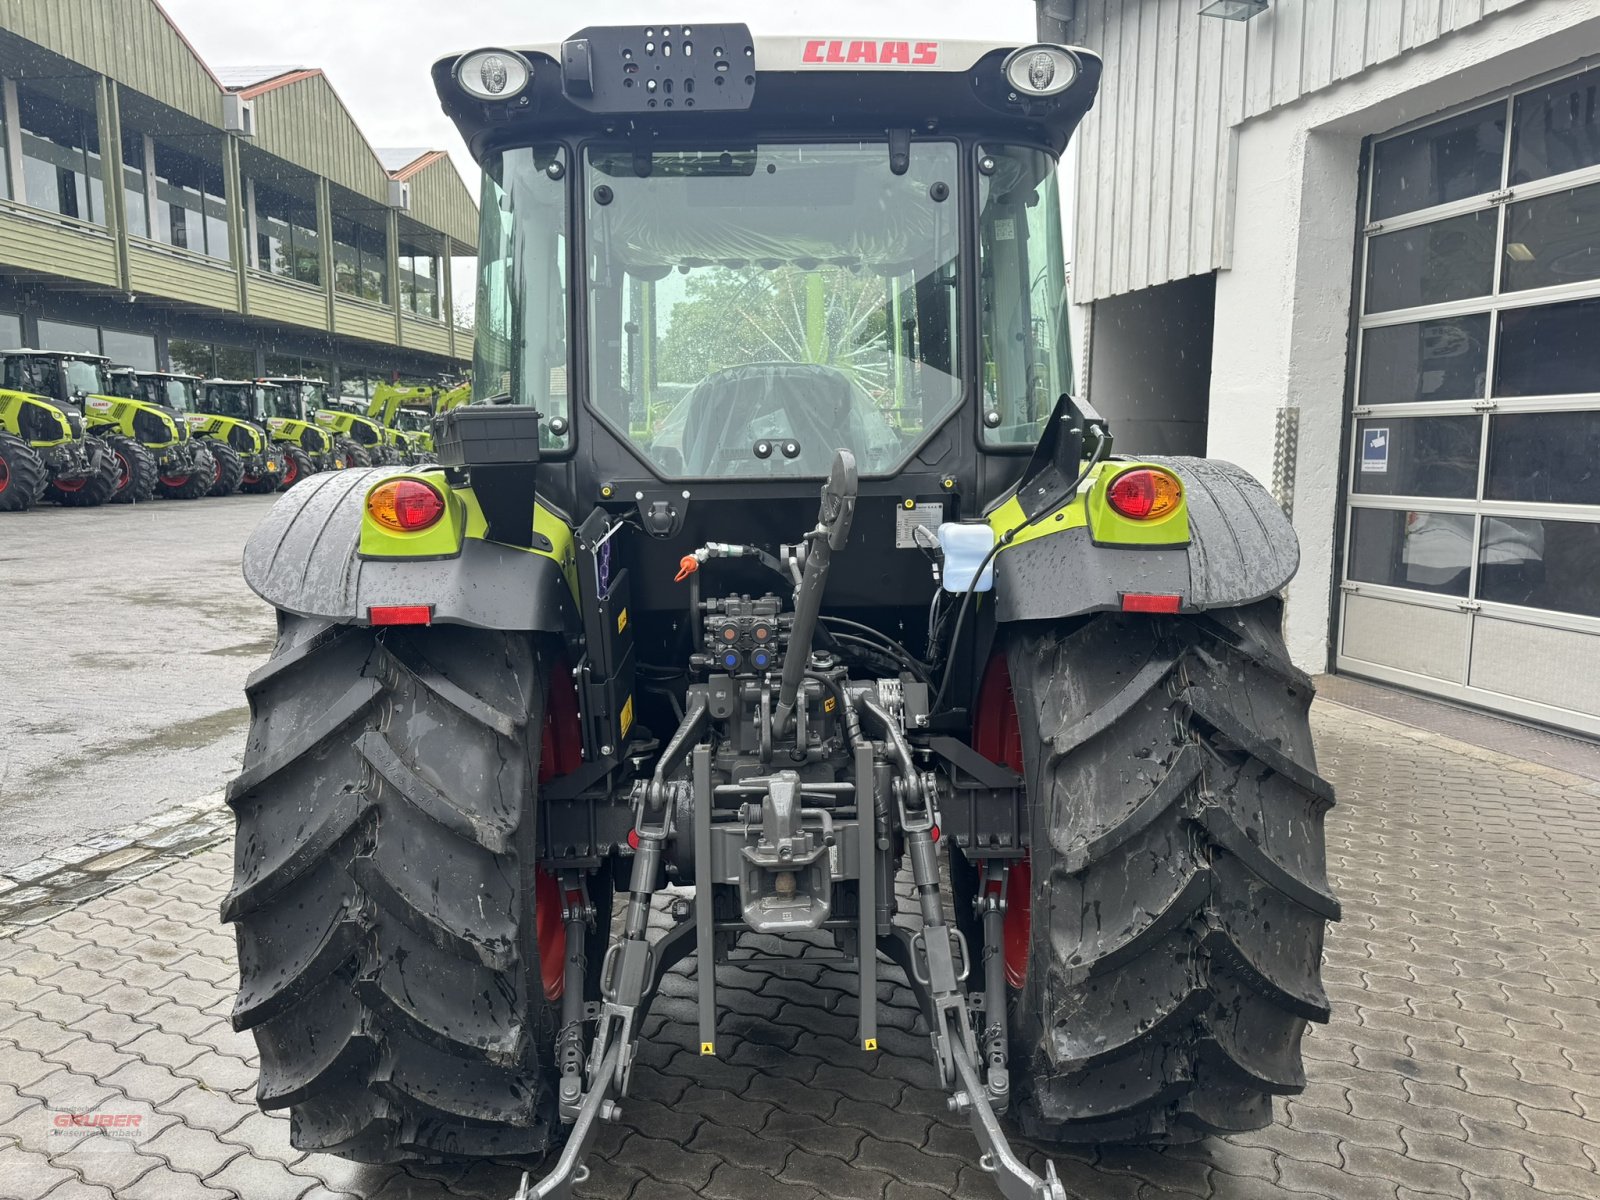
[
  {"x": 231, "y": 412},
  {"x": 232, "y": 444},
  {"x": 406, "y": 413},
  {"x": 364, "y": 440},
  {"x": 878, "y": 649},
  {"x": 291, "y": 421},
  {"x": 44, "y": 450},
  {"x": 149, "y": 442}
]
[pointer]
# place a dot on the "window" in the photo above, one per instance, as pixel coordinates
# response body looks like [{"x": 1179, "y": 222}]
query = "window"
[
  {"x": 64, "y": 335},
  {"x": 10, "y": 331},
  {"x": 136, "y": 198},
  {"x": 520, "y": 353},
  {"x": 1475, "y": 441},
  {"x": 190, "y": 211},
  {"x": 190, "y": 357},
  {"x": 236, "y": 362},
  {"x": 419, "y": 281},
  {"x": 795, "y": 295},
  {"x": 360, "y": 260},
  {"x": 287, "y": 242},
  {"x": 1027, "y": 358},
  {"x": 129, "y": 349},
  {"x": 60, "y": 156}
]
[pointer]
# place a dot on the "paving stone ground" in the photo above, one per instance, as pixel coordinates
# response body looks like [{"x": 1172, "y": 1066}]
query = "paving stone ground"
[{"x": 1463, "y": 1059}]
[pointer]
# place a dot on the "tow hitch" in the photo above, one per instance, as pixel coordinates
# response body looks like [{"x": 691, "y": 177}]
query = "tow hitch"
[{"x": 781, "y": 843}]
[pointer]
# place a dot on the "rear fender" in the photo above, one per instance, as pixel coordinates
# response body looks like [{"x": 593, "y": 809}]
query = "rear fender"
[
  {"x": 316, "y": 554},
  {"x": 1238, "y": 548}
]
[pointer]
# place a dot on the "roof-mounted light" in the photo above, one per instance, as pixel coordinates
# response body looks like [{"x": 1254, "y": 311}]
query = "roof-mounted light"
[
  {"x": 493, "y": 74},
  {"x": 1040, "y": 70}
]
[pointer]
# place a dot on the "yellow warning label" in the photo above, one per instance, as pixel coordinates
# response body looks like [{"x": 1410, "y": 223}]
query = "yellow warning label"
[
  {"x": 708, "y": 1048},
  {"x": 622, "y": 620},
  {"x": 627, "y": 715},
  {"x": 829, "y": 704},
  {"x": 870, "y": 1044}
]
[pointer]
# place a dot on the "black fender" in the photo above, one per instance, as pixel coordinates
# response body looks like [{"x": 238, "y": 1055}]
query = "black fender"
[
  {"x": 1242, "y": 548},
  {"x": 305, "y": 558}
]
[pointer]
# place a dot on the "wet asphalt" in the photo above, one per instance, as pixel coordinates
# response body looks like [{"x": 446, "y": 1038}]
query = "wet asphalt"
[{"x": 126, "y": 635}]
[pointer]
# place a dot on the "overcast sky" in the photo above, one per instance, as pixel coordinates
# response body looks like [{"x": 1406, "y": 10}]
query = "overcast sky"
[{"x": 378, "y": 52}]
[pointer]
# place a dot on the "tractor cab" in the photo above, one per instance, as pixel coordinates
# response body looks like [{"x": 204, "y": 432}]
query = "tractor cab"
[
  {"x": 291, "y": 405},
  {"x": 175, "y": 390}
]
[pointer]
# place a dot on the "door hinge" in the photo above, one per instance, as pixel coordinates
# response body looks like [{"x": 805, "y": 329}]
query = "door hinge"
[
  {"x": 1350, "y": 589},
  {"x": 1485, "y": 405},
  {"x": 1468, "y": 606},
  {"x": 1499, "y": 197}
]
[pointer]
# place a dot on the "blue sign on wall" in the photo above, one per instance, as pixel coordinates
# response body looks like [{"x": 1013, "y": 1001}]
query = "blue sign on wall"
[{"x": 1375, "y": 450}]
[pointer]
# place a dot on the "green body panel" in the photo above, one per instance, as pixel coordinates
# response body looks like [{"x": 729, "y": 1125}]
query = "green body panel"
[
  {"x": 116, "y": 414},
  {"x": 348, "y": 424},
  {"x": 463, "y": 520},
  {"x": 12, "y": 406},
  {"x": 1090, "y": 509},
  {"x": 293, "y": 433},
  {"x": 221, "y": 428}
]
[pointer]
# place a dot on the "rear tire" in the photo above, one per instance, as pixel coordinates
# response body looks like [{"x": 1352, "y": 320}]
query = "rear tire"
[
  {"x": 355, "y": 454},
  {"x": 1180, "y": 890},
  {"x": 228, "y": 472},
  {"x": 22, "y": 474},
  {"x": 136, "y": 469},
  {"x": 384, "y": 891},
  {"x": 296, "y": 466},
  {"x": 191, "y": 487}
]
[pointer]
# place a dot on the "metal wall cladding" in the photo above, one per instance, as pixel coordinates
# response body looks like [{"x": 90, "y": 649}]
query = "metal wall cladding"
[
  {"x": 131, "y": 41},
  {"x": 440, "y": 200},
  {"x": 307, "y": 124},
  {"x": 1156, "y": 172}
]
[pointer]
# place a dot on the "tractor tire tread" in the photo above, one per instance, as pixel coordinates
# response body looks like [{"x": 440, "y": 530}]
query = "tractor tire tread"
[
  {"x": 1179, "y": 874},
  {"x": 382, "y": 960},
  {"x": 26, "y": 475}
]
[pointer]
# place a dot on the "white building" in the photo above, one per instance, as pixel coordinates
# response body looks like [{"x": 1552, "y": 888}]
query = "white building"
[{"x": 1354, "y": 246}]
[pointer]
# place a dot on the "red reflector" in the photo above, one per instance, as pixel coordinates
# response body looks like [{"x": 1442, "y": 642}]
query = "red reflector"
[
  {"x": 935, "y": 832},
  {"x": 633, "y": 838},
  {"x": 1133, "y": 602},
  {"x": 401, "y": 614}
]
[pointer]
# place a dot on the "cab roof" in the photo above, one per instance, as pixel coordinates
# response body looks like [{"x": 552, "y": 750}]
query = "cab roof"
[
  {"x": 775, "y": 87},
  {"x": 239, "y": 383},
  {"x": 81, "y": 355}
]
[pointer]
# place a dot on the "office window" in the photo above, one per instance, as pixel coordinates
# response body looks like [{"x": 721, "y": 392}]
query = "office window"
[
  {"x": 419, "y": 281},
  {"x": 191, "y": 212},
  {"x": 360, "y": 260},
  {"x": 60, "y": 157},
  {"x": 133, "y": 184},
  {"x": 287, "y": 244}
]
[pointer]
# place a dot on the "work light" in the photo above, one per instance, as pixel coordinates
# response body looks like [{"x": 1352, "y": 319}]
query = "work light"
[
  {"x": 493, "y": 74},
  {"x": 1040, "y": 70}
]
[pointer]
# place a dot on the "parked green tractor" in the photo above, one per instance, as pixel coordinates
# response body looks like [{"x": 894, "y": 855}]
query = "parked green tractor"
[
  {"x": 44, "y": 447},
  {"x": 291, "y": 420},
  {"x": 231, "y": 411},
  {"x": 366, "y": 442},
  {"x": 879, "y": 650},
  {"x": 301, "y": 405},
  {"x": 61, "y": 399}
]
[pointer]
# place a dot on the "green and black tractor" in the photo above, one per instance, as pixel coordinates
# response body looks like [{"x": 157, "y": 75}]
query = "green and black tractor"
[
  {"x": 292, "y": 404},
  {"x": 233, "y": 411},
  {"x": 229, "y": 447},
  {"x": 45, "y": 451},
  {"x": 406, "y": 413},
  {"x": 775, "y": 562},
  {"x": 360, "y": 440},
  {"x": 149, "y": 441}
]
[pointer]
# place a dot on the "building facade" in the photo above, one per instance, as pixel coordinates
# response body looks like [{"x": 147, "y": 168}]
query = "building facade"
[
  {"x": 1354, "y": 246},
  {"x": 227, "y": 222}
]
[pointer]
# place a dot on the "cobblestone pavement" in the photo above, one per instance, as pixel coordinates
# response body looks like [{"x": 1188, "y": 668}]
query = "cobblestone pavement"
[{"x": 1463, "y": 1059}]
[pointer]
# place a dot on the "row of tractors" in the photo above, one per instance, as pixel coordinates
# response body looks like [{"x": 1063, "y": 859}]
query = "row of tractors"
[{"x": 77, "y": 431}]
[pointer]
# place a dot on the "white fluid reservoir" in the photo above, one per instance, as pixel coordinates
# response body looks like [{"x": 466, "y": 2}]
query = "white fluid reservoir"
[{"x": 965, "y": 547}]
